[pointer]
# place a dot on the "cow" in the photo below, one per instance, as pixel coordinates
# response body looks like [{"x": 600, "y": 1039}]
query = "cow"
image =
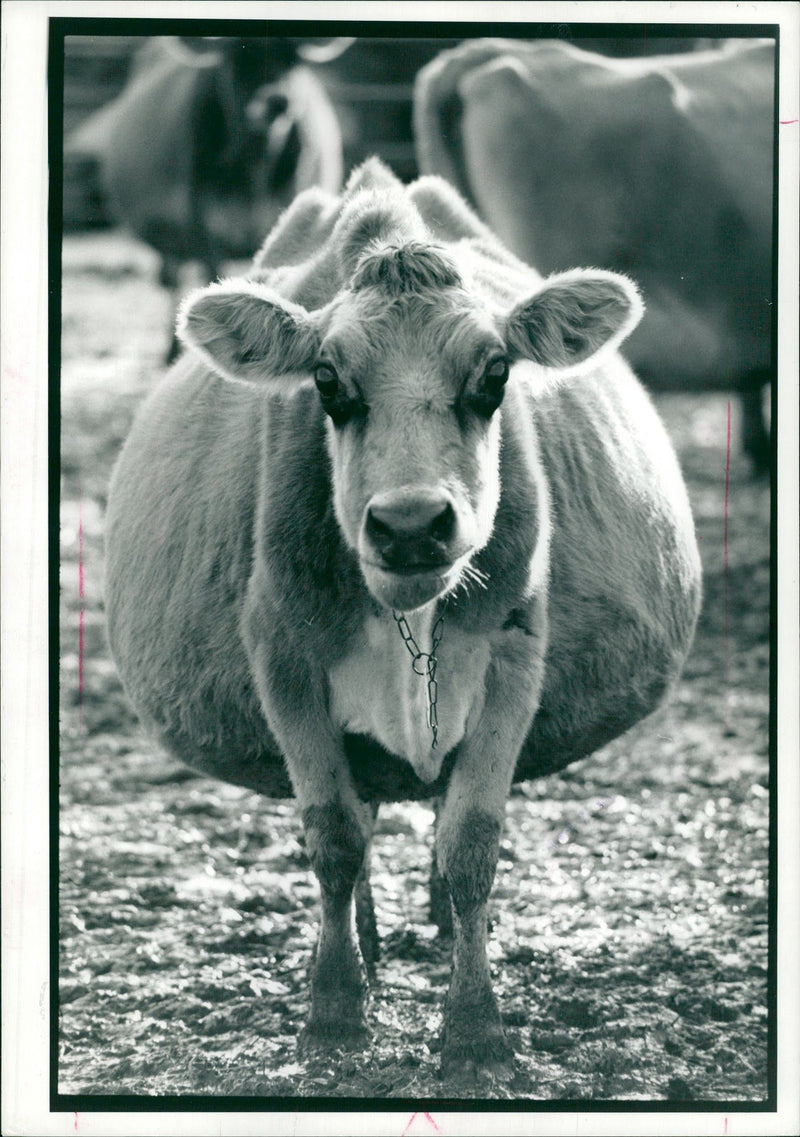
[
  {"x": 208, "y": 143},
  {"x": 660, "y": 167},
  {"x": 400, "y": 525}
]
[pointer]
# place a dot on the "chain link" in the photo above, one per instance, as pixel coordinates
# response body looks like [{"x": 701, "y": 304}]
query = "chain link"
[{"x": 429, "y": 664}]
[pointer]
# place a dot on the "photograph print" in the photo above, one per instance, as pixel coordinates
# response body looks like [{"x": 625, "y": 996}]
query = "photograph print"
[{"x": 415, "y": 491}]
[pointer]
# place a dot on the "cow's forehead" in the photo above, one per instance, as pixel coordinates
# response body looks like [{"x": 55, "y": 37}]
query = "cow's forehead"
[{"x": 446, "y": 330}]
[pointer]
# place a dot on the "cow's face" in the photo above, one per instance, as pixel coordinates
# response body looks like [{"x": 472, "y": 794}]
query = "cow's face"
[
  {"x": 411, "y": 371},
  {"x": 411, "y": 383}
]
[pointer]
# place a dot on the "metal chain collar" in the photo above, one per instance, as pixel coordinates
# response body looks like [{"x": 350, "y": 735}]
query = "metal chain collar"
[{"x": 428, "y": 666}]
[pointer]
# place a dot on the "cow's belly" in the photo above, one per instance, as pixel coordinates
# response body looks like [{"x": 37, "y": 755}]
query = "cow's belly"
[{"x": 375, "y": 691}]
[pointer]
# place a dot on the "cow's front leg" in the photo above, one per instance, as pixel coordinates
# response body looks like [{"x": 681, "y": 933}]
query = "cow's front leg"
[
  {"x": 338, "y": 828},
  {"x": 468, "y": 839},
  {"x": 472, "y": 1032},
  {"x": 337, "y": 839}
]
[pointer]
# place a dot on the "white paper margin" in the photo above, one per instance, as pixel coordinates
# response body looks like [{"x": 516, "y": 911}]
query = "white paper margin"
[{"x": 24, "y": 583}]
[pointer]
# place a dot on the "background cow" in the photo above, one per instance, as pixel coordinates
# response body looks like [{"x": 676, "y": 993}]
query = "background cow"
[
  {"x": 660, "y": 167},
  {"x": 265, "y": 533},
  {"x": 208, "y": 142}
]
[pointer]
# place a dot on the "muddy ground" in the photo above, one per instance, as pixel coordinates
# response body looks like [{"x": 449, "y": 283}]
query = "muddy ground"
[{"x": 629, "y": 913}]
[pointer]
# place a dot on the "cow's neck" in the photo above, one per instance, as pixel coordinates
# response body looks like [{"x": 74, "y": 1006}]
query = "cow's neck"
[{"x": 374, "y": 689}]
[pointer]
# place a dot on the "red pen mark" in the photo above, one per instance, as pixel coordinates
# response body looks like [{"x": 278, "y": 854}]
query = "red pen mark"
[
  {"x": 725, "y": 551},
  {"x": 80, "y": 635},
  {"x": 725, "y": 1130},
  {"x": 787, "y": 121},
  {"x": 75, "y": 1124},
  {"x": 427, "y": 1117},
  {"x": 15, "y": 374}
]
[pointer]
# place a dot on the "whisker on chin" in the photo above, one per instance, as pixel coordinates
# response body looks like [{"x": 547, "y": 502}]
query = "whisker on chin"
[{"x": 472, "y": 575}]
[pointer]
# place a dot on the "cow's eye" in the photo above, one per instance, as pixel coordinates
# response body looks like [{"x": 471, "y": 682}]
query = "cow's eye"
[
  {"x": 327, "y": 380},
  {"x": 337, "y": 403},
  {"x": 495, "y": 376},
  {"x": 490, "y": 390}
]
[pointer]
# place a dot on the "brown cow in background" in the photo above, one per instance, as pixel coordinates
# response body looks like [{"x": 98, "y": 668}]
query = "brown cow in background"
[
  {"x": 207, "y": 144},
  {"x": 660, "y": 167}
]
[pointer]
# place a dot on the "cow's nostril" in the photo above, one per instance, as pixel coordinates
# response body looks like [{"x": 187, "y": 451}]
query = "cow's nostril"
[
  {"x": 377, "y": 530},
  {"x": 442, "y": 528}
]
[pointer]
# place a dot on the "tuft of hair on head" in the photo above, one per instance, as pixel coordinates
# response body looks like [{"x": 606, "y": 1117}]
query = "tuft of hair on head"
[
  {"x": 374, "y": 218},
  {"x": 412, "y": 267}
]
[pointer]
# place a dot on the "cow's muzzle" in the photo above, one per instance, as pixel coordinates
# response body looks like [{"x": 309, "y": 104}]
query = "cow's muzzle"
[
  {"x": 410, "y": 545},
  {"x": 411, "y": 531}
]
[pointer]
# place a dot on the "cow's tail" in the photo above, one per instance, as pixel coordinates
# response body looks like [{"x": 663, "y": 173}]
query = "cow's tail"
[{"x": 438, "y": 109}]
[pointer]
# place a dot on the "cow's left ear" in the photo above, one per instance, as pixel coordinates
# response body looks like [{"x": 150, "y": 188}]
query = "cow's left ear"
[
  {"x": 246, "y": 332},
  {"x": 573, "y": 317}
]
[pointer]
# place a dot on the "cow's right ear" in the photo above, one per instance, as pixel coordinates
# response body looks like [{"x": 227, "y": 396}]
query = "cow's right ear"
[{"x": 247, "y": 333}]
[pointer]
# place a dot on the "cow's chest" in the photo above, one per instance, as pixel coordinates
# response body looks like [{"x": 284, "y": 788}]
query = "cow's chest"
[{"x": 374, "y": 690}]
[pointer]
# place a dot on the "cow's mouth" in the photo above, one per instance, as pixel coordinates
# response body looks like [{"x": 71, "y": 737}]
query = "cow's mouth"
[
  {"x": 411, "y": 585},
  {"x": 414, "y": 568}
]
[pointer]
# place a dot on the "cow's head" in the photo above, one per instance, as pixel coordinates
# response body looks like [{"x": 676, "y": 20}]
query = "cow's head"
[{"x": 411, "y": 370}]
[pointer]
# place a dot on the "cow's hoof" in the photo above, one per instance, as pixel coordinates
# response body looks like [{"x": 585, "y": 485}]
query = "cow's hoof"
[
  {"x": 470, "y": 1058},
  {"x": 467, "y": 1069},
  {"x": 323, "y": 1037}
]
